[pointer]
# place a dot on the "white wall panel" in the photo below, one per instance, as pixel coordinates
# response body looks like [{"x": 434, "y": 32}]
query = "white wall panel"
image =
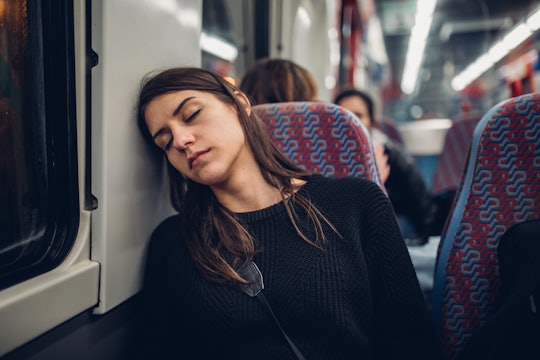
[{"x": 131, "y": 37}]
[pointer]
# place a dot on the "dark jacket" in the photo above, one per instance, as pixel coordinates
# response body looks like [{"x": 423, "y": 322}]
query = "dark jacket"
[{"x": 408, "y": 192}]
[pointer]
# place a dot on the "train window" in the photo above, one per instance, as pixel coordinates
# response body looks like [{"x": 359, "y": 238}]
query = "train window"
[
  {"x": 226, "y": 42},
  {"x": 38, "y": 173}
]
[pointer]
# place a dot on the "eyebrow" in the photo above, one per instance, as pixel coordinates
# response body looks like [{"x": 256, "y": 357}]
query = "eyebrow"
[{"x": 175, "y": 112}]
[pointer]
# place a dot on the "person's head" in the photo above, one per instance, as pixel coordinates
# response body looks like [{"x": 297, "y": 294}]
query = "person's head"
[
  {"x": 204, "y": 126},
  {"x": 188, "y": 112},
  {"x": 278, "y": 80},
  {"x": 359, "y": 103},
  {"x": 201, "y": 126}
]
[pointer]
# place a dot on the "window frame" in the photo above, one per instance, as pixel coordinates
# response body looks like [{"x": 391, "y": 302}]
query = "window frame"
[
  {"x": 53, "y": 127},
  {"x": 38, "y": 304}
]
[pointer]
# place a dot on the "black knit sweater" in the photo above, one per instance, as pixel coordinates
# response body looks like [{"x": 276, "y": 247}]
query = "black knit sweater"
[{"x": 358, "y": 298}]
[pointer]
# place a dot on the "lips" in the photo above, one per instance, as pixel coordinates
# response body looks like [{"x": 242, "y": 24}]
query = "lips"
[{"x": 195, "y": 158}]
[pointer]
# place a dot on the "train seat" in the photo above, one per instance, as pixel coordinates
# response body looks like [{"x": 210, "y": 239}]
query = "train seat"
[
  {"x": 322, "y": 137},
  {"x": 450, "y": 166},
  {"x": 390, "y": 129},
  {"x": 500, "y": 189}
]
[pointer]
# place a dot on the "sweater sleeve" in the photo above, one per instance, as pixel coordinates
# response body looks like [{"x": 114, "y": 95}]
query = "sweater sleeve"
[
  {"x": 156, "y": 330},
  {"x": 403, "y": 327}
]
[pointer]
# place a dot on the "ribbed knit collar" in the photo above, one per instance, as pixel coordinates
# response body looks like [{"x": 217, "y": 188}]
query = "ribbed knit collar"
[{"x": 276, "y": 209}]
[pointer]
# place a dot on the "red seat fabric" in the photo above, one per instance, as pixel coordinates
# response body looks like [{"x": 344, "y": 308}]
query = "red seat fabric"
[
  {"x": 500, "y": 188},
  {"x": 322, "y": 137},
  {"x": 451, "y": 164}
]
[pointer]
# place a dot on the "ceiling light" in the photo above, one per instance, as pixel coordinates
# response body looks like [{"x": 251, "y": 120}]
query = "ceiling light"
[
  {"x": 534, "y": 20},
  {"x": 499, "y": 50},
  {"x": 218, "y": 47},
  {"x": 417, "y": 44}
]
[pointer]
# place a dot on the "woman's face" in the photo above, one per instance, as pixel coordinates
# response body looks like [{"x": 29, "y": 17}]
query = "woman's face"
[
  {"x": 201, "y": 136},
  {"x": 358, "y": 107}
]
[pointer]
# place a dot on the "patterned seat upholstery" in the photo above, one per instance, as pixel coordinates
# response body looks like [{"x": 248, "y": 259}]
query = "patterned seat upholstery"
[
  {"x": 500, "y": 188},
  {"x": 322, "y": 137},
  {"x": 451, "y": 164}
]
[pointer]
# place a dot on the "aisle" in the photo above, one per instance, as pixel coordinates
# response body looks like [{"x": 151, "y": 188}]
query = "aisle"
[{"x": 423, "y": 258}]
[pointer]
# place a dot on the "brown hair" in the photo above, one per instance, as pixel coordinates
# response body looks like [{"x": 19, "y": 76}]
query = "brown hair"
[
  {"x": 278, "y": 80},
  {"x": 212, "y": 233}
]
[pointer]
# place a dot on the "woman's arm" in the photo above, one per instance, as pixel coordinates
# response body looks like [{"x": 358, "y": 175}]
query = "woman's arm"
[{"x": 403, "y": 327}]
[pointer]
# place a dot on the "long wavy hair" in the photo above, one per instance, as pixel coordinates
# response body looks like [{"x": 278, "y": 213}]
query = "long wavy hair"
[{"x": 215, "y": 238}]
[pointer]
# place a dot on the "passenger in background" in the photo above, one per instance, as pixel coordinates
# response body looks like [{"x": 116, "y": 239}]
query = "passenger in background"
[
  {"x": 281, "y": 80},
  {"x": 336, "y": 271},
  {"x": 406, "y": 188},
  {"x": 278, "y": 80}
]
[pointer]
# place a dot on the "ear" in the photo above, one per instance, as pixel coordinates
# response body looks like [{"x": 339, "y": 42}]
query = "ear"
[{"x": 244, "y": 101}]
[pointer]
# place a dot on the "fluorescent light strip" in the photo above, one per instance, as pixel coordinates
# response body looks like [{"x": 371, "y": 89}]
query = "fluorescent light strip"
[
  {"x": 417, "y": 44},
  {"x": 218, "y": 47},
  {"x": 534, "y": 20},
  {"x": 499, "y": 50}
]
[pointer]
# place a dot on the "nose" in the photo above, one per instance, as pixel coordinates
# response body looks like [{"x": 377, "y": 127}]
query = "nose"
[{"x": 182, "y": 138}]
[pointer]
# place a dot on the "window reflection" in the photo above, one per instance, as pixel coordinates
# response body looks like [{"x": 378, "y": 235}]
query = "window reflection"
[
  {"x": 21, "y": 152},
  {"x": 34, "y": 215},
  {"x": 225, "y": 42}
]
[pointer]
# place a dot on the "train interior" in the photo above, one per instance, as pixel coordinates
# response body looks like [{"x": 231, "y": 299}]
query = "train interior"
[{"x": 80, "y": 194}]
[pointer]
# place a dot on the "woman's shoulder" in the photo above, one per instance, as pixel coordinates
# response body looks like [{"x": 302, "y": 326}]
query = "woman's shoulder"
[
  {"x": 349, "y": 184},
  {"x": 167, "y": 231},
  {"x": 168, "y": 225},
  {"x": 349, "y": 189}
]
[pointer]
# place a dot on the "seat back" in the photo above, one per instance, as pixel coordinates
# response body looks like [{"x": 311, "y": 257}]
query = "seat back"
[
  {"x": 450, "y": 167},
  {"x": 500, "y": 188},
  {"x": 322, "y": 137},
  {"x": 452, "y": 159},
  {"x": 389, "y": 128}
]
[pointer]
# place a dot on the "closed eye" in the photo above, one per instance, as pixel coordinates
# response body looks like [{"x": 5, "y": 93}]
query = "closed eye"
[
  {"x": 193, "y": 116},
  {"x": 164, "y": 141},
  {"x": 168, "y": 144}
]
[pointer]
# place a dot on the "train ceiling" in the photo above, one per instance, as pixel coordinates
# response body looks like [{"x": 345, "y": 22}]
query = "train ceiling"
[{"x": 461, "y": 31}]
